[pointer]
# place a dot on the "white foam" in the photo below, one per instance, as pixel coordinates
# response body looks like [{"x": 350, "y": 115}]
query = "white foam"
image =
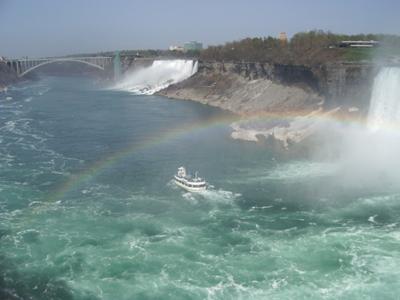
[
  {"x": 158, "y": 76},
  {"x": 372, "y": 219},
  {"x": 297, "y": 170},
  {"x": 218, "y": 196},
  {"x": 190, "y": 197}
]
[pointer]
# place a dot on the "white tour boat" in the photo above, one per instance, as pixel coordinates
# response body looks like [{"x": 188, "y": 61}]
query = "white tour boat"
[{"x": 191, "y": 184}]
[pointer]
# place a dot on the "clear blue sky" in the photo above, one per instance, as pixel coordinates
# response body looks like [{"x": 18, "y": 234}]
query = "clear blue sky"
[{"x": 54, "y": 27}]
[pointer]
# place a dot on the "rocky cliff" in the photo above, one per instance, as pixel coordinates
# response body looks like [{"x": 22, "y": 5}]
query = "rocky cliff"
[
  {"x": 245, "y": 87},
  {"x": 296, "y": 96},
  {"x": 346, "y": 84},
  {"x": 7, "y": 76}
]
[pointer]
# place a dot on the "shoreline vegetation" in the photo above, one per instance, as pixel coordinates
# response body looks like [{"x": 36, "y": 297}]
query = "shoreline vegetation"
[{"x": 304, "y": 48}]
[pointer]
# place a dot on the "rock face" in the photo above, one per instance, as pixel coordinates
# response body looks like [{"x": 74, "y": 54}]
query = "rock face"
[
  {"x": 346, "y": 84},
  {"x": 130, "y": 63},
  {"x": 298, "y": 96},
  {"x": 7, "y": 76},
  {"x": 246, "y": 88}
]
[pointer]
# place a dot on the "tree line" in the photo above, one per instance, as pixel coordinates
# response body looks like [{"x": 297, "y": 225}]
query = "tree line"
[{"x": 311, "y": 47}]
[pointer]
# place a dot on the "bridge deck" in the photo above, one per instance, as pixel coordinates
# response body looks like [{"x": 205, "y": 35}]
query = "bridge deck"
[{"x": 25, "y": 65}]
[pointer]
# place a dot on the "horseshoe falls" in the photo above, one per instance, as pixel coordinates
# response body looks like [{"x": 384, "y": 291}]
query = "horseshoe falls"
[
  {"x": 158, "y": 76},
  {"x": 385, "y": 100},
  {"x": 370, "y": 152},
  {"x": 88, "y": 209}
]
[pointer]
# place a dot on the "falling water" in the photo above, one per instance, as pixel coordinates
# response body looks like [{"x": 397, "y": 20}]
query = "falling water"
[
  {"x": 158, "y": 76},
  {"x": 370, "y": 156},
  {"x": 385, "y": 99}
]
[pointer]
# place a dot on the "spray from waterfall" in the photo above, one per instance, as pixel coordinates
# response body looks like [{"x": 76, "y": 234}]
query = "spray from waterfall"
[
  {"x": 158, "y": 76},
  {"x": 369, "y": 156},
  {"x": 385, "y": 100}
]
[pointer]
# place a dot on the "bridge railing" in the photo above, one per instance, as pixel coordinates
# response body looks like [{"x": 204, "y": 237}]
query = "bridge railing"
[{"x": 25, "y": 65}]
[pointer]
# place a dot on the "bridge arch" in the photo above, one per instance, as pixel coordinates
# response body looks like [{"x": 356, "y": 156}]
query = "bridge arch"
[{"x": 46, "y": 62}]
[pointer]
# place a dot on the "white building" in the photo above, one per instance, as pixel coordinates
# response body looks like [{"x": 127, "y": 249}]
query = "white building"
[{"x": 176, "y": 48}]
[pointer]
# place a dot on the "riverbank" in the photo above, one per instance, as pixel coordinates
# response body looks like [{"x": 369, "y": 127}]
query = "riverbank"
[
  {"x": 253, "y": 87},
  {"x": 243, "y": 93},
  {"x": 295, "y": 95}
]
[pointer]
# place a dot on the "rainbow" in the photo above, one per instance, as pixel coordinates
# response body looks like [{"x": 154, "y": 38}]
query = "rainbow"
[
  {"x": 77, "y": 180},
  {"x": 102, "y": 165}
]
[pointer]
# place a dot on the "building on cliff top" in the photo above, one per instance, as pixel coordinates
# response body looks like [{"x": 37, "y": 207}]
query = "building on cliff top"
[
  {"x": 283, "y": 38},
  {"x": 176, "y": 48},
  {"x": 359, "y": 44},
  {"x": 192, "y": 46},
  {"x": 188, "y": 46}
]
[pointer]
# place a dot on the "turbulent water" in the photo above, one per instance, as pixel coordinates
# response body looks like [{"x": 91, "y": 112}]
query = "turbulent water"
[
  {"x": 158, "y": 76},
  {"x": 88, "y": 210}
]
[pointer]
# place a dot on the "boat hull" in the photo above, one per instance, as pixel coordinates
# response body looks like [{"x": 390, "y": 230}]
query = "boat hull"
[{"x": 190, "y": 189}]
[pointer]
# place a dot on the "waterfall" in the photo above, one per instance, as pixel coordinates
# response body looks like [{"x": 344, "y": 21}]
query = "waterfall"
[
  {"x": 385, "y": 99},
  {"x": 158, "y": 76}
]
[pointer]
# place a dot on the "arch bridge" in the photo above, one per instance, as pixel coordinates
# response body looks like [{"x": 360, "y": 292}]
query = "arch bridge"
[{"x": 24, "y": 66}]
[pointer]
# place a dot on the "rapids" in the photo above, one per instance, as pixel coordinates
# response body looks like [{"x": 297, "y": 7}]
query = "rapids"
[{"x": 88, "y": 211}]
